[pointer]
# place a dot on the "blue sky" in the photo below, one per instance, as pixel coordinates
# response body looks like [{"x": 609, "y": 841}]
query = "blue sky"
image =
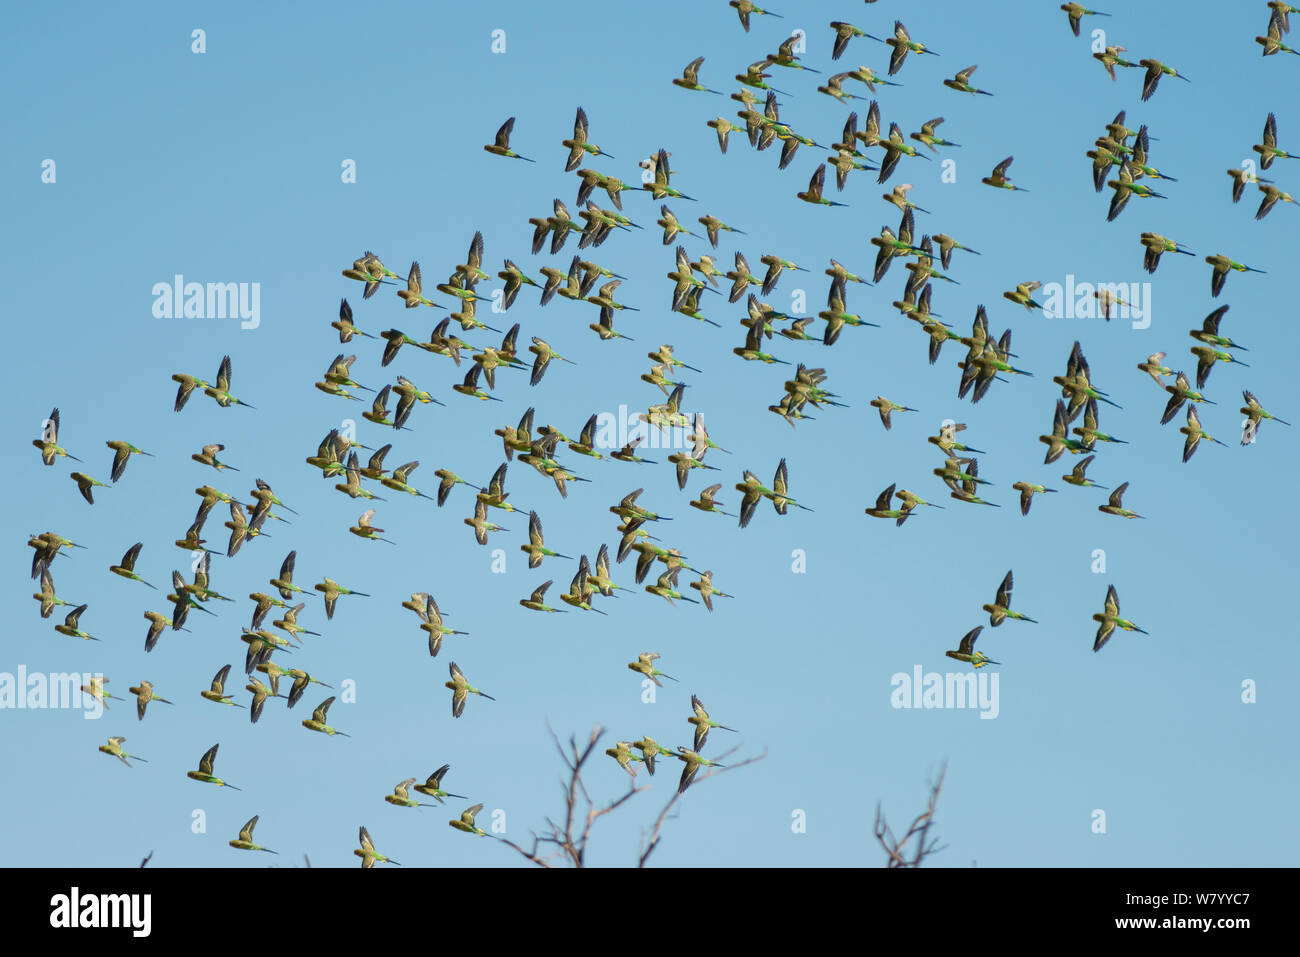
[{"x": 225, "y": 167}]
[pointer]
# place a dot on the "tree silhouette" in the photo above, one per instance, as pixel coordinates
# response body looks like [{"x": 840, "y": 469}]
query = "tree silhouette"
[
  {"x": 896, "y": 847},
  {"x": 567, "y": 842}
]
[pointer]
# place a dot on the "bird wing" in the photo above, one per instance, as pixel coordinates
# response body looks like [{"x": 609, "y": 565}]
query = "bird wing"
[
  {"x": 321, "y": 709},
  {"x": 223, "y": 375},
  {"x": 503, "y": 134},
  {"x": 205, "y": 763},
  {"x": 1117, "y": 496},
  {"x": 1004, "y": 591}
]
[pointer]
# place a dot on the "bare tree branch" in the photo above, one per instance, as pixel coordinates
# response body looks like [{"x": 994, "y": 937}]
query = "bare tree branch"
[
  {"x": 648, "y": 845},
  {"x": 569, "y": 843},
  {"x": 529, "y": 855},
  {"x": 571, "y": 840},
  {"x": 919, "y": 829}
]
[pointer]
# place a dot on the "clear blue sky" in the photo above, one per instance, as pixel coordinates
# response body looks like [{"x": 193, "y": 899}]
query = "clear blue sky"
[{"x": 225, "y": 167}]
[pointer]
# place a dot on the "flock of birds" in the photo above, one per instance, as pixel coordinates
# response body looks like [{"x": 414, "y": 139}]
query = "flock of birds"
[{"x": 987, "y": 360}]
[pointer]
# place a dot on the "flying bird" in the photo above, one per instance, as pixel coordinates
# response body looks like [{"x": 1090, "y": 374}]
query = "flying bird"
[
  {"x": 1000, "y": 610},
  {"x": 1110, "y": 620},
  {"x": 204, "y": 773},
  {"x": 245, "y": 840},
  {"x": 369, "y": 856},
  {"x": 966, "y": 650},
  {"x": 999, "y": 178},
  {"x": 1076, "y": 12},
  {"x": 500, "y": 146},
  {"x": 461, "y": 690}
]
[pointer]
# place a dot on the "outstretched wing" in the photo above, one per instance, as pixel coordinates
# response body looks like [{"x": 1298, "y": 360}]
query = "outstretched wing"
[{"x": 1004, "y": 591}]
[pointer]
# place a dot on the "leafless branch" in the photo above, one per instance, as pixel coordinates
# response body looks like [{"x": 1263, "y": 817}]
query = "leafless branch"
[
  {"x": 531, "y": 855},
  {"x": 919, "y": 829},
  {"x": 648, "y": 845},
  {"x": 571, "y": 838},
  {"x": 570, "y": 843}
]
